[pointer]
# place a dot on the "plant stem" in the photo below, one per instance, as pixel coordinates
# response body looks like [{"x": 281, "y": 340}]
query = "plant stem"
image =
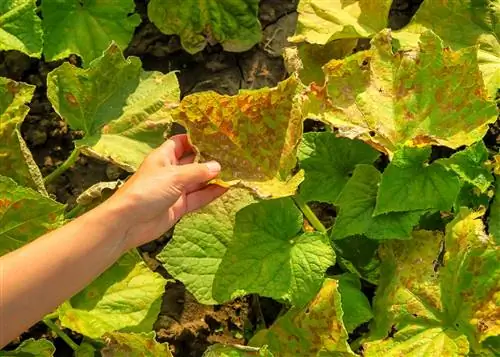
[
  {"x": 75, "y": 212},
  {"x": 64, "y": 166},
  {"x": 53, "y": 326},
  {"x": 311, "y": 217}
]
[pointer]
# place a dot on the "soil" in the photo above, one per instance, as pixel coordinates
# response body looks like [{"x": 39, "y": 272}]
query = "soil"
[{"x": 186, "y": 325}]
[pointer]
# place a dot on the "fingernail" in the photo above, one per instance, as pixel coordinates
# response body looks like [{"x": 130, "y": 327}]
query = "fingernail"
[{"x": 213, "y": 166}]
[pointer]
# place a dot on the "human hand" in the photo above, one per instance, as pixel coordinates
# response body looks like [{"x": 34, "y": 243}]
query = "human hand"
[{"x": 165, "y": 187}]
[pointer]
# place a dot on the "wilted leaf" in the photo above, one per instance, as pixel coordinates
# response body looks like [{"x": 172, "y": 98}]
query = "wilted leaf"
[
  {"x": 355, "y": 304},
  {"x": 134, "y": 345},
  {"x": 25, "y": 215},
  {"x": 254, "y": 134},
  {"x": 126, "y": 297},
  {"x": 314, "y": 330},
  {"x": 122, "y": 110},
  {"x": 233, "y": 23},
  {"x": 86, "y": 28},
  {"x": 357, "y": 204},
  {"x": 270, "y": 256},
  {"x": 429, "y": 96},
  {"x": 20, "y": 27},
  {"x": 441, "y": 307},
  {"x": 98, "y": 193},
  {"x": 330, "y": 161},
  {"x": 220, "y": 350},
  {"x": 15, "y": 158},
  {"x": 200, "y": 241},
  {"x": 32, "y": 348},
  {"x": 410, "y": 183}
]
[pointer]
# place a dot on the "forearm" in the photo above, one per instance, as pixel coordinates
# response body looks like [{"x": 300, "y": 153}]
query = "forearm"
[{"x": 35, "y": 279}]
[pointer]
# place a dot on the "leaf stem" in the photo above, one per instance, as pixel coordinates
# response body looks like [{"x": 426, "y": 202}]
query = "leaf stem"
[
  {"x": 53, "y": 326},
  {"x": 63, "y": 167},
  {"x": 311, "y": 217},
  {"x": 75, "y": 212}
]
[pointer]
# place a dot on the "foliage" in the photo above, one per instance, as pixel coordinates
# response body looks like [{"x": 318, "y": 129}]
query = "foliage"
[{"x": 400, "y": 160}]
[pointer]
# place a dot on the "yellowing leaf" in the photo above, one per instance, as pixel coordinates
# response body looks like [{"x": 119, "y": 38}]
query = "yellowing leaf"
[
  {"x": 134, "y": 345},
  {"x": 254, "y": 134},
  {"x": 432, "y": 96}
]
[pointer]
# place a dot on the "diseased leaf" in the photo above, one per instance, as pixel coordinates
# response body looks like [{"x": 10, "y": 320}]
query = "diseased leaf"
[
  {"x": 254, "y": 134},
  {"x": 357, "y": 204},
  {"x": 16, "y": 160},
  {"x": 220, "y": 350},
  {"x": 355, "y": 304},
  {"x": 20, "y": 27},
  {"x": 122, "y": 110},
  {"x": 494, "y": 218},
  {"x": 134, "y": 345},
  {"x": 234, "y": 24},
  {"x": 314, "y": 330},
  {"x": 200, "y": 241},
  {"x": 470, "y": 165},
  {"x": 322, "y": 21},
  {"x": 32, "y": 348},
  {"x": 444, "y": 308},
  {"x": 25, "y": 215},
  {"x": 126, "y": 297},
  {"x": 277, "y": 259},
  {"x": 330, "y": 161},
  {"x": 409, "y": 183},
  {"x": 429, "y": 96},
  {"x": 86, "y": 27}
]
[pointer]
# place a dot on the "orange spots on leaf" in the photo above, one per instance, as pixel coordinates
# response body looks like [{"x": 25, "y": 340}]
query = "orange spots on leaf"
[
  {"x": 4, "y": 203},
  {"x": 71, "y": 99}
]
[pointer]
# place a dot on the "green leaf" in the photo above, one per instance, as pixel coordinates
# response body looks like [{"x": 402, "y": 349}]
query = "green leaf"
[
  {"x": 470, "y": 166},
  {"x": 357, "y": 204},
  {"x": 25, "y": 215},
  {"x": 426, "y": 96},
  {"x": 220, "y": 350},
  {"x": 85, "y": 350},
  {"x": 471, "y": 197},
  {"x": 468, "y": 23},
  {"x": 233, "y": 23},
  {"x": 134, "y": 345},
  {"x": 322, "y": 21},
  {"x": 409, "y": 183},
  {"x": 355, "y": 304},
  {"x": 32, "y": 348},
  {"x": 200, "y": 241},
  {"x": 254, "y": 134},
  {"x": 86, "y": 27},
  {"x": 122, "y": 110},
  {"x": 16, "y": 160},
  {"x": 441, "y": 307},
  {"x": 20, "y": 27},
  {"x": 331, "y": 161},
  {"x": 270, "y": 256},
  {"x": 126, "y": 297},
  {"x": 314, "y": 330},
  {"x": 494, "y": 218}
]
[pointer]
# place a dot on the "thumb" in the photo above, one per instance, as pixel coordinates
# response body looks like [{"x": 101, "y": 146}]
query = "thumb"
[{"x": 187, "y": 175}]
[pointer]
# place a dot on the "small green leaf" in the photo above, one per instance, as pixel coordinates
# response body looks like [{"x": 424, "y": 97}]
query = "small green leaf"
[
  {"x": 469, "y": 165},
  {"x": 32, "y": 348},
  {"x": 357, "y": 203},
  {"x": 494, "y": 218},
  {"x": 200, "y": 241},
  {"x": 86, "y": 27},
  {"x": 134, "y": 345},
  {"x": 270, "y": 256},
  {"x": 233, "y": 23},
  {"x": 219, "y": 350},
  {"x": 25, "y": 215},
  {"x": 471, "y": 197},
  {"x": 126, "y": 297},
  {"x": 85, "y": 350},
  {"x": 314, "y": 330},
  {"x": 331, "y": 161},
  {"x": 355, "y": 304},
  {"x": 20, "y": 27},
  {"x": 122, "y": 110},
  {"x": 409, "y": 183}
]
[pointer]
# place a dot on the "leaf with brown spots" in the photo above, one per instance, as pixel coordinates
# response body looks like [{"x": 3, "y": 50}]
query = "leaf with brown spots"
[
  {"x": 429, "y": 96},
  {"x": 254, "y": 134},
  {"x": 122, "y": 110},
  {"x": 134, "y": 345},
  {"x": 446, "y": 303},
  {"x": 314, "y": 330}
]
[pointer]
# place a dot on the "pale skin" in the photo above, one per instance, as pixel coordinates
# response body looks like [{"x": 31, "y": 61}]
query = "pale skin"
[{"x": 38, "y": 277}]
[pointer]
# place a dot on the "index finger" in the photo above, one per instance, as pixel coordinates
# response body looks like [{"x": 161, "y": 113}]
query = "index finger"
[{"x": 173, "y": 149}]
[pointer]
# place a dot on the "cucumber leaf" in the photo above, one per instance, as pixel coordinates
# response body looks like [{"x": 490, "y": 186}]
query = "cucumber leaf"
[
  {"x": 122, "y": 110},
  {"x": 32, "y": 348},
  {"x": 20, "y": 27},
  {"x": 494, "y": 218},
  {"x": 234, "y": 24},
  {"x": 355, "y": 304},
  {"x": 220, "y": 350},
  {"x": 134, "y": 345},
  {"x": 331, "y": 161},
  {"x": 86, "y": 27}
]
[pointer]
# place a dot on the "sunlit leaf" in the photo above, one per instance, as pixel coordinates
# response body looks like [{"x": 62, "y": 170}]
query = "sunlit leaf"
[
  {"x": 32, "y": 348},
  {"x": 220, "y": 350},
  {"x": 134, "y": 345},
  {"x": 355, "y": 304},
  {"x": 494, "y": 218}
]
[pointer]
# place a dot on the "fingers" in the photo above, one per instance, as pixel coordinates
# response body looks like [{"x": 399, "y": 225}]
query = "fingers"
[
  {"x": 187, "y": 159},
  {"x": 172, "y": 150},
  {"x": 190, "y": 175},
  {"x": 198, "y": 199}
]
